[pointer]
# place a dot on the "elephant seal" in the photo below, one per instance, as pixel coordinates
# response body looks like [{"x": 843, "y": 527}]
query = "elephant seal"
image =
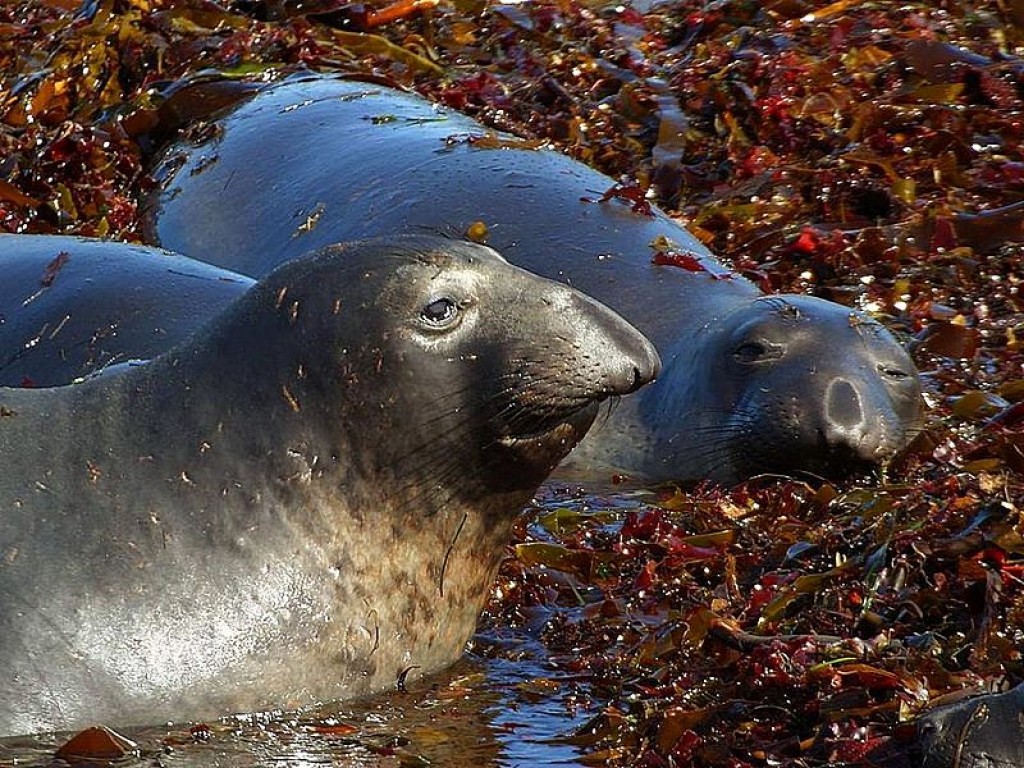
[
  {"x": 71, "y": 306},
  {"x": 751, "y": 384},
  {"x": 305, "y": 500}
]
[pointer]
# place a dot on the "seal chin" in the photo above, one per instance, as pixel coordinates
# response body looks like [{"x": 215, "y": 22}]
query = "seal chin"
[
  {"x": 822, "y": 458},
  {"x": 831, "y": 465}
]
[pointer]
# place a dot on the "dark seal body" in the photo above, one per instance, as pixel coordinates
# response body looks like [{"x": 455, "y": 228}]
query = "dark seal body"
[
  {"x": 984, "y": 731},
  {"x": 750, "y": 384},
  {"x": 70, "y": 306},
  {"x": 305, "y": 499}
]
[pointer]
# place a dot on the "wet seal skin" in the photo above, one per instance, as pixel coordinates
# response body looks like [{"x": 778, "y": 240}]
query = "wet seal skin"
[
  {"x": 72, "y": 306},
  {"x": 980, "y": 732},
  {"x": 305, "y": 500},
  {"x": 787, "y": 384}
]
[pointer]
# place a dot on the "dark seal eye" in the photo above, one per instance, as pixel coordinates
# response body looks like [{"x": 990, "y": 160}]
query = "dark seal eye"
[
  {"x": 440, "y": 313},
  {"x": 890, "y": 372},
  {"x": 753, "y": 351},
  {"x": 750, "y": 352},
  {"x": 757, "y": 352}
]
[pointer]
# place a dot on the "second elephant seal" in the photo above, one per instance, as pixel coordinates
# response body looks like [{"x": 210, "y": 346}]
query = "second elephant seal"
[
  {"x": 304, "y": 500},
  {"x": 752, "y": 384}
]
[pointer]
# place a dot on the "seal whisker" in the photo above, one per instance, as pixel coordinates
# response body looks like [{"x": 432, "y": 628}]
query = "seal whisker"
[{"x": 447, "y": 555}]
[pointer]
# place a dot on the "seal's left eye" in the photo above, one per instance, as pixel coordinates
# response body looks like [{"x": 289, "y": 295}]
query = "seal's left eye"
[{"x": 440, "y": 313}]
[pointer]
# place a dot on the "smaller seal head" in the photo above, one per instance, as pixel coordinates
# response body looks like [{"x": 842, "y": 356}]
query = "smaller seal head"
[
  {"x": 832, "y": 384},
  {"x": 802, "y": 385}
]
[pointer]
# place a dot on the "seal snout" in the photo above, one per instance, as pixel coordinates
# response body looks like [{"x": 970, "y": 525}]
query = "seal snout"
[
  {"x": 626, "y": 359},
  {"x": 849, "y": 426},
  {"x": 632, "y": 361},
  {"x": 646, "y": 365},
  {"x": 844, "y": 410}
]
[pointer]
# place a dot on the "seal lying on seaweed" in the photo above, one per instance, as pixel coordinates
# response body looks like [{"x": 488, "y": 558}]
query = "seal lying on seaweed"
[{"x": 751, "y": 384}]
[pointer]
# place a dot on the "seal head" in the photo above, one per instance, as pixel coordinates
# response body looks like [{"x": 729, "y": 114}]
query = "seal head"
[{"x": 794, "y": 400}]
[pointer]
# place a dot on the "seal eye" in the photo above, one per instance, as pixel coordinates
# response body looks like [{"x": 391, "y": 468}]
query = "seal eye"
[
  {"x": 758, "y": 351},
  {"x": 440, "y": 313},
  {"x": 750, "y": 352},
  {"x": 897, "y": 374}
]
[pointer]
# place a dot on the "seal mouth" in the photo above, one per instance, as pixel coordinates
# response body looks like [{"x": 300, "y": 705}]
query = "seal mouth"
[
  {"x": 828, "y": 462},
  {"x": 563, "y": 430},
  {"x": 845, "y": 462}
]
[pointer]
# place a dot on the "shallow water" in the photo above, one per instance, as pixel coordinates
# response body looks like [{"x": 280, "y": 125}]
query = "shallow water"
[
  {"x": 502, "y": 704},
  {"x": 481, "y": 712}
]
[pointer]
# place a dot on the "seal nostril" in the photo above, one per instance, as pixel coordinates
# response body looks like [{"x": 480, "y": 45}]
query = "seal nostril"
[
  {"x": 844, "y": 406},
  {"x": 646, "y": 366},
  {"x": 638, "y": 378}
]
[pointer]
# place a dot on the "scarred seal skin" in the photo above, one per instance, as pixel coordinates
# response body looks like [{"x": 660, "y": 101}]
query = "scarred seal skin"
[
  {"x": 752, "y": 384},
  {"x": 304, "y": 500},
  {"x": 72, "y": 306}
]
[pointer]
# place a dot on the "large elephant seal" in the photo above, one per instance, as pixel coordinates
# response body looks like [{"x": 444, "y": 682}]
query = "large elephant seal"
[
  {"x": 305, "y": 500},
  {"x": 71, "y": 306},
  {"x": 784, "y": 384}
]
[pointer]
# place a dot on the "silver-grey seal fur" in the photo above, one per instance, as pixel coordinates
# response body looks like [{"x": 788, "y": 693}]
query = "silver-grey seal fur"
[
  {"x": 302, "y": 501},
  {"x": 751, "y": 384}
]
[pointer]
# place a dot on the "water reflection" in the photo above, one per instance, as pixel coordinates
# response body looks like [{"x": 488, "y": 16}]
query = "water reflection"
[{"x": 482, "y": 712}]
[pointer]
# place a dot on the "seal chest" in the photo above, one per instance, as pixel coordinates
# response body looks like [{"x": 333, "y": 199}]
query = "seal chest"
[{"x": 301, "y": 501}]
